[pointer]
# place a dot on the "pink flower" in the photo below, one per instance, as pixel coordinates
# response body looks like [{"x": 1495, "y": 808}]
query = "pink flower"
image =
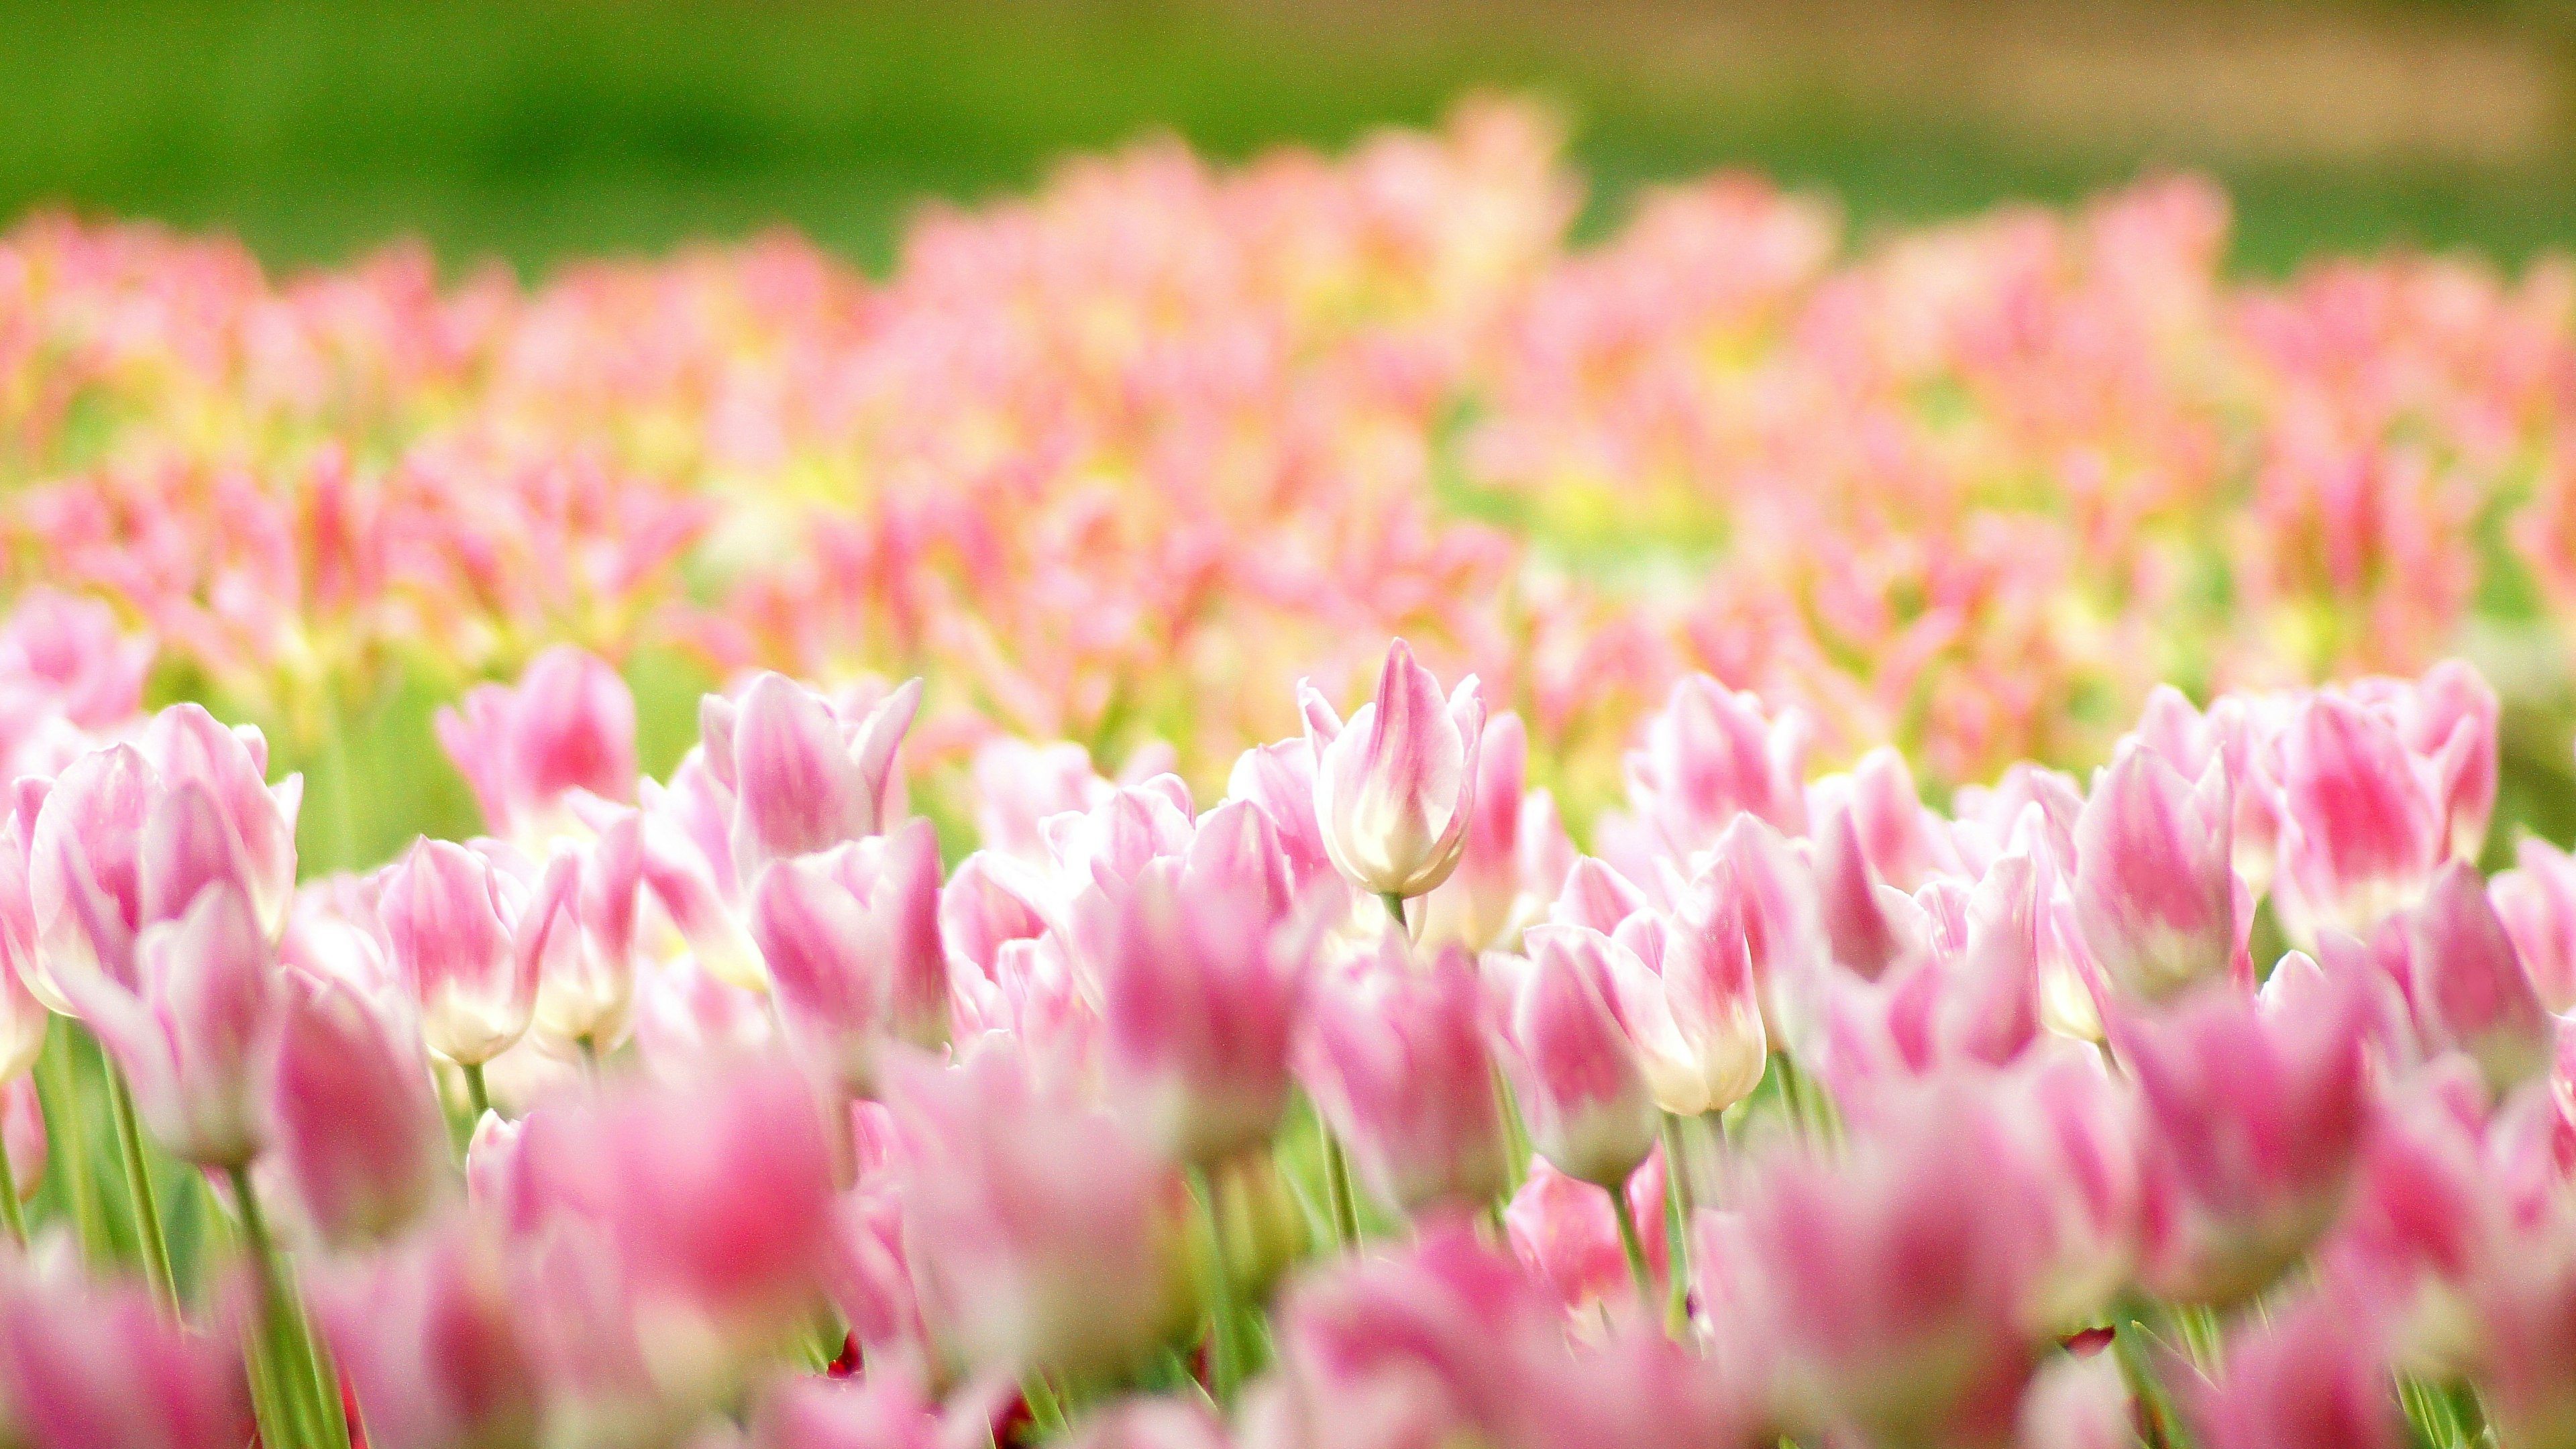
[
  {"x": 429, "y": 1335},
  {"x": 1040, "y": 1235},
  {"x": 1280, "y": 778},
  {"x": 2155, "y": 887},
  {"x": 1395, "y": 789},
  {"x": 2362, "y": 820},
  {"x": 197, "y": 1035},
  {"x": 1575, "y": 1072},
  {"x": 448, "y": 914},
  {"x": 1566, "y": 1234},
  {"x": 885, "y": 1412},
  {"x": 2467, "y": 981},
  {"x": 103, "y": 1368},
  {"x": 569, "y": 725},
  {"x": 1484, "y": 900},
  {"x": 851, "y": 939},
  {"x": 360, "y": 1134},
  {"x": 1157, "y": 1423},
  {"x": 1683, "y": 985},
  {"x": 581, "y": 926},
  {"x": 1711, "y": 754},
  {"x": 1202, "y": 984},
  {"x": 1397, "y": 1059},
  {"x": 803, "y": 777},
  {"x": 2537, "y": 903},
  {"x": 2308, "y": 1378},
  {"x": 2253, "y": 1117}
]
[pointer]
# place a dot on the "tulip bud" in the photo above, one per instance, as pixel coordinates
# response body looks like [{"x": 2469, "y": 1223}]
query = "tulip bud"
[
  {"x": 1711, "y": 755},
  {"x": 580, "y": 927},
  {"x": 1684, "y": 990},
  {"x": 2537, "y": 903},
  {"x": 1280, "y": 778},
  {"x": 358, "y": 1122},
  {"x": 1566, "y": 1233},
  {"x": 1582, "y": 1094},
  {"x": 198, "y": 1035},
  {"x": 851, "y": 938},
  {"x": 804, "y": 778},
  {"x": 1398, "y": 1063},
  {"x": 250, "y": 826},
  {"x": 885, "y": 1412},
  {"x": 2307, "y": 1378},
  {"x": 447, "y": 916},
  {"x": 568, "y": 725},
  {"x": 1395, "y": 789},
  {"x": 2467, "y": 981},
  {"x": 2362, "y": 826},
  {"x": 431, "y": 1337},
  {"x": 2155, "y": 889},
  {"x": 85, "y": 1366},
  {"x": 84, "y": 871}
]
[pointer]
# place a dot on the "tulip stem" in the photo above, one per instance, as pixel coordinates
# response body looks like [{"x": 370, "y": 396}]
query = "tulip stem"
[
  {"x": 1677, "y": 1207},
  {"x": 57, "y": 1091},
  {"x": 12, "y": 1216},
  {"x": 1635, "y": 1245},
  {"x": 1337, "y": 1188},
  {"x": 307, "y": 1390},
  {"x": 1223, "y": 1368},
  {"x": 477, "y": 1096},
  {"x": 138, "y": 1177}
]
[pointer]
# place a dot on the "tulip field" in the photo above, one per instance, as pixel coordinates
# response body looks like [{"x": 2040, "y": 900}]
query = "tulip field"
[{"x": 1275, "y": 806}]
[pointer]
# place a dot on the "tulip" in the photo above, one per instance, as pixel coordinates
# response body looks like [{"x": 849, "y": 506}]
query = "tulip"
[
  {"x": 430, "y": 1337},
  {"x": 1017, "y": 785},
  {"x": 1872, "y": 927},
  {"x": 73, "y": 652},
  {"x": 1153, "y": 1424},
  {"x": 1575, "y": 1072},
  {"x": 2537, "y": 903},
  {"x": 1567, "y": 1234},
  {"x": 2308, "y": 1378},
  {"x": 1111, "y": 843},
  {"x": 804, "y": 778},
  {"x": 359, "y": 1130},
  {"x": 1484, "y": 901},
  {"x": 1683, "y": 986},
  {"x": 2468, "y": 984},
  {"x": 1710, "y": 755},
  {"x": 990, "y": 899},
  {"x": 84, "y": 871},
  {"x": 568, "y": 726},
  {"x": 2078, "y": 1403},
  {"x": 104, "y": 1368},
  {"x": 869, "y": 1279},
  {"x": 1040, "y": 1235},
  {"x": 448, "y": 914},
  {"x": 2362, "y": 825},
  {"x": 581, "y": 928},
  {"x": 885, "y": 1412},
  {"x": 1595, "y": 897},
  {"x": 687, "y": 1020},
  {"x": 851, "y": 940},
  {"x": 2155, "y": 888},
  {"x": 1280, "y": 778},
  {"x": 1394, "y": 790},
  {"x": 1397, "y": 1061},
  {"x": 198, "y": 1034},
  {"x": 2253, "y": 1118},
  {"x": 1201, "y": 989}
]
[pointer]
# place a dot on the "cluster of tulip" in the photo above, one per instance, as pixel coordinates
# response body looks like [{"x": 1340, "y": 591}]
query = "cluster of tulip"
[
  {"x": 2218, "y": 1101},
  {"x": 1104, "y": 463}
]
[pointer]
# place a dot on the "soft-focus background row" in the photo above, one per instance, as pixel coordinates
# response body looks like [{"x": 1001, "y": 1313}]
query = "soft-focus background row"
[{"x": 1731, "y": 341}]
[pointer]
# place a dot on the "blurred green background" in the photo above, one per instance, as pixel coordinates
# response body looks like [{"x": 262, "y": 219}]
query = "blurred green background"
[{"x": 542, "y": 131}]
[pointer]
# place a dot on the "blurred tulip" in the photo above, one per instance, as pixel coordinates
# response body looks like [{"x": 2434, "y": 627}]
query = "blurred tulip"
[
  {"x": 569, "y": 724},
  {"x": 2467, "y": 981},
  {"x": 448, "y": 916},
  {"x": 360, "y": 1134},
  {"x": 1684, "y": 989},
  {"x": 804, "y": 778},
  {"x": 2537, "y": 903},
  {"x": 85, "y": 1367},
  {"x": 429, "y": 1336},
  {"x": 851, "y": 938},
  {"x": 2306, "y": 1379},
  {"x": 2362, "y": 827},
  {"x": 1397, "y": 1060},
  {"x": 2155, "y": 886},
  {"x": 1566, "y": 1234},
  {"x": 1712, "y": 754},
  {"x": 1484, "y": 901},
  {"x": 1395, "y": 788},
  {"x": 1575, "y": 1072}
]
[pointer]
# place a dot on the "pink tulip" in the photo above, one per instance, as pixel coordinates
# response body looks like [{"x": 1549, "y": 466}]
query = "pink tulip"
[
  {"x": 1873, "y": 927},
  {"x": 2155, "y": 888},
  {"x": 851, "y": 939},
  {"x": 1712, "y": 754},
  {"x": 1019, "y": 784},
  {"x": 1595, "y": 897},
  {"x": 687, "y": 1020},
  {"x": 990, "y": 899},
  {"x": 1164, "y": 1423},
  {"x": 84, "y": 871},
  {"x": 1280, "y": 778},
  {"x": 1683, "y": 985},
  {"x": 1575, "y": 1072},
  {"x": 2467, "y": 982},
  {"x": 359, "y": 1130},
  {"x": 1395, "y": 789},
  {"x": 2253, "y": 1118},
  {"x": 1397, "y": 1060},
  {"x": 429, "y": 1335},
  {"x": 1566, "y": 1234},
  {"x": 2447, "y": 718},
  {"x": 2537, "y": 903},
  {"x": 869, "y": 1279},
  {"x": 581, "y": 926},
  {"x": 72, "y": 653},
  {"x": 1484, "y": 899},
  {"x": 1039, "y": 1234},
  {"x": 885, "y": 1412},
  {"x": 2362, "y": 823},
  {"x": 2078, "y": 1403},
  {"x": 804, "y": 778},
  {"x": 1202, "y": 985},
  {"x": 2308, "y": 1378},
  {"x": 103, "y": 1368},
  {"x": 568, "y": 725},
  {"x": 448, "y": 915},
  {"x": 1111, "y": 843},
  {"x": 197, "y": 1036},
  {"x": 1904, "y": 843}
]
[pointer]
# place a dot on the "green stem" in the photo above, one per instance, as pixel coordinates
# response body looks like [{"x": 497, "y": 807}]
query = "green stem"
[
  {"x": 1395, "y": 908},
  {"x": 1635, "y": 1245},
  {"x": 138, "y": 1179},
  {"x": 477, "y": 1095},
  {"x": 1044, "y": 1407},
  {"x": 1516, "y": 1140},
  {"x": 288, "y": 1366},
  {"x": 1677, "y": 1206},
  {"x": 2155, "y": 1407},
  {"x": 1337, "y": 1187},
  {"x": 12, "y": 1216},
  {"x": 57, "y": 1090},
  {"x": 589, "y": 1059},
  {"x": 1224, "y": 1368}
]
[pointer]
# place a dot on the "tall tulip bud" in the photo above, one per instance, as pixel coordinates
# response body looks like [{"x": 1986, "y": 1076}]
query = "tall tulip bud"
[
  {"x": 83, "y": 1366},
  {"x": 251, "y": 825},
  {"x": 2155, "y": 890},
  {"x": 568, "y": 725},
  {"x": 198, "y": 1035},
  {"x": 581, "y": 927},
  {"x": 448, "y": 916},
  {"x": 1394, "y": 789},
  {"x": 1582, "y": 1093},
  {"x": 2468, "y": 985},
  {"x": 434, "y": 1342},
  {"x": 1712, "y": 754},
  {"x": 2362, "y": 821},
  {"x": 1397, "y": 1060},
  {"x": 1684, "y": 988},
  {"x": 803, "y": 777},
  {"x": 852, "y": 941},
  {"x": 358, "y": 1122}
]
